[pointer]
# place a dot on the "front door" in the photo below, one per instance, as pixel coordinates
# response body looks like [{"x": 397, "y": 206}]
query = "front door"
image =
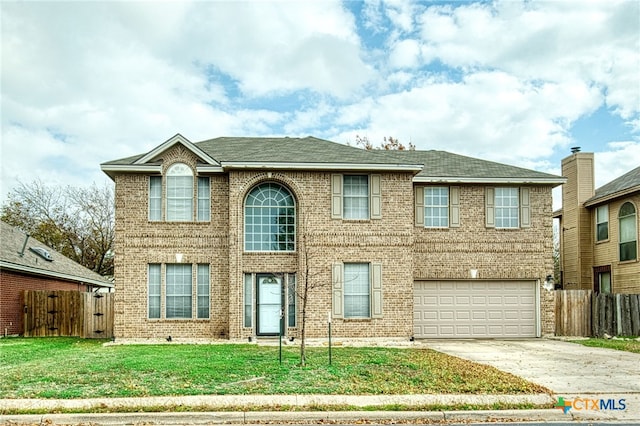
[{"x": 269, "y": 304}]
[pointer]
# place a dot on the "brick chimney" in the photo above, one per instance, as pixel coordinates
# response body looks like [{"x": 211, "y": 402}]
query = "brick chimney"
[{"x": 576, "y": 230}]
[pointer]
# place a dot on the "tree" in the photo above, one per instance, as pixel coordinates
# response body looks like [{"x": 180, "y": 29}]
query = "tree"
[
  {"x": 388, "y": 144},
  {"x": 77, "y": 222}
]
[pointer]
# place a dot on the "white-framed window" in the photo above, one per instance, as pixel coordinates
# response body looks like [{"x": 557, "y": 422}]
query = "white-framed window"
[
  {"x": 507, "y": 207},
  {"x": 154, "y": 290},
  {"x": 356, "y": 197},
  {"x": 628, "y": 232},
  {"x": 204, "y": 199},
  {"x": 179, "y": 193},
  {"x": 292, "y": 296},
  {"x": 269, "y": 219},
  {"x": 179, "y": 196},
  {"x": 436, "y": 207},
  {"x": 155, "y": 198},
  {"x": 202, "y": 290},
  {"x": 248, "y": 300},
  {"x": 602, "y": 223},
  {"x": 178, "y": 299},
  {"x": 357, "y": 290},
  {"x": 170, "y": 291}
]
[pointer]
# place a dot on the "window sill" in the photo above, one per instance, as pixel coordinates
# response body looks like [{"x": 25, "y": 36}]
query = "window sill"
[
  {"x": 627, "y": 262},
  {"x": 170, "y": 320},
  {"x": 602, "y": 241},
  {"x": 356, "y": 320}
]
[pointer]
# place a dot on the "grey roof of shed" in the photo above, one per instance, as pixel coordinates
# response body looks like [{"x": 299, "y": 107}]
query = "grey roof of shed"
[
  {"x": 429, "y": 166},
  {"x": 624, "y": 185},
  {"x": 13, "y": 258}
]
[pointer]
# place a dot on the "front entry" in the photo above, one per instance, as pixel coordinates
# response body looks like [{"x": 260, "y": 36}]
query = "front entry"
[{"x": 269, "y": 303}]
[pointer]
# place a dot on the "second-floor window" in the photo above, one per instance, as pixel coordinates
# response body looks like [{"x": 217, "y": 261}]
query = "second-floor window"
[
  {"x": 507, "y": 207},
  {"x": 628, "y": 232},
  {"x": 179, "y": 193},
  {"x": 436, "y": 207},
  {"x": 602, "y": 223},
  {"x": 356, "y": 197},
  {"x": 179, "y": 196}
]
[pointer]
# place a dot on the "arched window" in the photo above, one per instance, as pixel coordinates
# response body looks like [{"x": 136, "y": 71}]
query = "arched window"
[
  {"x": 179, "y": 193},
  {"x": 628, "y": 232},
  {"x": 269, "y": 219}
]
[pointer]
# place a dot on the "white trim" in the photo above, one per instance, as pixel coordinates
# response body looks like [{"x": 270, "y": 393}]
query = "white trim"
[
  {"x": 538, "y": 310},
  {"x": 142, "y": 168},
  {"x": 319, "y": 166},
  {"x": 209, "y": 169},
  {"x": 178, "y": 138},
  {"x": 515, "y": 181},
  {"x": 42, "y": 272}
]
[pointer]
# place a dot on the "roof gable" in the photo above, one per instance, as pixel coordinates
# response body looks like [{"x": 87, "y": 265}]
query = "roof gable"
[{"x": 177, "y": 139}]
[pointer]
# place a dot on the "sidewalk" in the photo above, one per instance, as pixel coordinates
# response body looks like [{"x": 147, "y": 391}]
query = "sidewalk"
[{"x": 237, "y": 409}]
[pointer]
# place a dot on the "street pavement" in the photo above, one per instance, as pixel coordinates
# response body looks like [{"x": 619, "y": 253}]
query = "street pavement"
[{"x": 581, "y": 376}]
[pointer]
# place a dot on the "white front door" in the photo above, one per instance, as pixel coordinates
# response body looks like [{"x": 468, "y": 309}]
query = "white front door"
[{"x": 269, "y": 304}]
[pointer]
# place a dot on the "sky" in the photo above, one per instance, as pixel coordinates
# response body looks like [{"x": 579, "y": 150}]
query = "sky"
[{"x": 518, "y": 82}]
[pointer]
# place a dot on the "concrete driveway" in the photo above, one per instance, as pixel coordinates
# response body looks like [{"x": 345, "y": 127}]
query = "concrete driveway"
[{"x": 565, "y": 368}]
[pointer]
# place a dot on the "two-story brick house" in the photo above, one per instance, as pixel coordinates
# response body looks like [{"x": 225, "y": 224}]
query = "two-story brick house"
[
  {"x": 599, "y": 229},
  {"x": 217, "y": 239}
]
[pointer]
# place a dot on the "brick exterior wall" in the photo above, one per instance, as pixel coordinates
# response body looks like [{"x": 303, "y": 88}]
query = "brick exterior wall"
[
  {"x": 404, "y": 251},
  {"x": 11, "y": 286}
]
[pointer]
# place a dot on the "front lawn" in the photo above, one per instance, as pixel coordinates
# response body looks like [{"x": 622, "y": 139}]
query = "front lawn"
[
  {"x": 619, "y": 344},
  {"x": 76, "y": 368}
]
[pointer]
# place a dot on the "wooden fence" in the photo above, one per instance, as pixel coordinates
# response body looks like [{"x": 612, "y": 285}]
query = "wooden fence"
[
  {"x": 583, "y": 313},
  {"x": 68, "y": 313}
]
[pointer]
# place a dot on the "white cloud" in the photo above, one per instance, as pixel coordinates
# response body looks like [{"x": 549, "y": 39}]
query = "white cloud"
[
  {"x": 591, "y": 42},
  {"x": 620, "y": 158},
  {"x": 485, "y": 111}
]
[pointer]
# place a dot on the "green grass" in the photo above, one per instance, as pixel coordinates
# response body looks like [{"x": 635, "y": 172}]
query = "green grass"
[
  {"x": 621, "y": 345},
  {"x": 75, "y": 368}
]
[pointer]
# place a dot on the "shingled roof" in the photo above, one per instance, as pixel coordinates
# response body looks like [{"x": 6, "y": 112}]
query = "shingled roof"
[
  {"x": 226, "y": 153},
  {"x": 624, "y": 185},
  {"x": 17, "y": 254}
]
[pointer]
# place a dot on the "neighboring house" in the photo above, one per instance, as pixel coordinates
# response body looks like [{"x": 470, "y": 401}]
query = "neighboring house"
[
  {"x": 27, "y": 264},
  {"x": 599, "y": 229},
  {"x": 214, "y": 239}
]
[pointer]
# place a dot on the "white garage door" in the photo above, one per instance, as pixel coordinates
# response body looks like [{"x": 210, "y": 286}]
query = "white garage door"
[{"x": 474, "y": 309}]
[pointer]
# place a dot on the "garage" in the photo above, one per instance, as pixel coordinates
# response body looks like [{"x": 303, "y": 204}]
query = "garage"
[{"x": 474, "y": 309}]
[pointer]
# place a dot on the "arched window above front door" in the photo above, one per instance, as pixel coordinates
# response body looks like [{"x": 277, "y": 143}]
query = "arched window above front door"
[{"x": 269, "y": 219}]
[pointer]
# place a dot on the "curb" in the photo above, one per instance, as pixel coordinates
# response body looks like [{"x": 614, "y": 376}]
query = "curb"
[
  {"x": 254, "y": 417},
  {"x": 215, "y": 402}
]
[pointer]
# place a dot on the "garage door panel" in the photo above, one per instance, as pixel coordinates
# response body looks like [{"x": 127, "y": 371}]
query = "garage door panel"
[{"x": 474, "y": 309}]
